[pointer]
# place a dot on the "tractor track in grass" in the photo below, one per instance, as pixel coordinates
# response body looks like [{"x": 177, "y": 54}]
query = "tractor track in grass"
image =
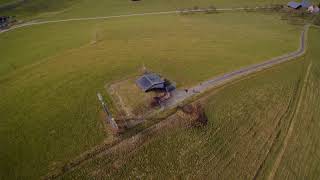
[
  {"x": 28, "y": 24},
  {"x": 291, "y": 127}
]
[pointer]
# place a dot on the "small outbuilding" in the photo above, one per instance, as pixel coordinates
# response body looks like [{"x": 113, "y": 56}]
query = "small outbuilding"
[{"x": 153, "y": 81}]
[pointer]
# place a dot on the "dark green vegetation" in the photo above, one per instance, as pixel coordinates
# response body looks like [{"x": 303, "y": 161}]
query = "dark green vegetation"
[{"x": 248, "y": 122}]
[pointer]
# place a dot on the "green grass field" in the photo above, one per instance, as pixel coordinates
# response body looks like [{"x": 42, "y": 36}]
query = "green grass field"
[
  {"x": 241, "y": 129},
  {"x": 109, "y": 7},
  {"x": 86, "y": 8},
  {"x": 5, "y": 2},
  {"x": 301, "y": 158},
  {"x": 34, "y": 8},
  {"x": 49, "y": 74},
  {"x": 248, "y": 122}
]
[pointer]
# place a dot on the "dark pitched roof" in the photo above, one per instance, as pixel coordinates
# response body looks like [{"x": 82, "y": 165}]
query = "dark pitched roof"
[
  {"x": 150, "y": 81},
  {"x": 294, "y": 5}
]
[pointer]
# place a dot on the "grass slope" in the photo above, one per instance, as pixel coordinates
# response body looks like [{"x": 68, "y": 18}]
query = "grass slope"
[
  {"x": 244, "y": 122},
  {"x": 33, "y": 8},
  {"x": 87, "y": 8},
  {"x": 301, "y": 158},
  {"x": 109, "y": 7},
  {"x": 50, "y": 74},
  {"x": 248, "y": 122},
  {"x": 2, "y": 2}
]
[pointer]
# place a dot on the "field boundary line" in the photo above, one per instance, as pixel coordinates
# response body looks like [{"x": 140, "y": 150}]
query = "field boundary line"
[
  {"x": 28, "y": 24},
  {"x": 290, "y": 131}
]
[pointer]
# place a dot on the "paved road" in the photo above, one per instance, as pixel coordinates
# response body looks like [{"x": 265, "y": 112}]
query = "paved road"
[
  {"x": 180, "y": 95},
  {"x": 28, "y": 24}
]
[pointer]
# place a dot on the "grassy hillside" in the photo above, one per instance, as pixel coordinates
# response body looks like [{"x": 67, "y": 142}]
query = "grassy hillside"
[
  {"x": 248, "y": 123},
  {"x": 110, "y": 7},
  {"x": 170, "y": 38},
  {"x": 301, "y": 157},
  {"x": 245, "y": 121},
  {"x": 87, "y": 8},
  {"x": 50, "y": 73},
  {"x": 5, "y": 2},
  {"x": 30, "y": 8}
]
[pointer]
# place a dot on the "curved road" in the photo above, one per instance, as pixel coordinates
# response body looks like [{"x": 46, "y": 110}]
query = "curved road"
[
  {"x": 122, "y": 16},
  {"x": 180, "y": 95}
]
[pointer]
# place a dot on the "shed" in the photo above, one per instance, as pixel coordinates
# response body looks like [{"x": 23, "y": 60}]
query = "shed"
[
  {"x": 153, "y": 81},
  {"x": 294, "y": 5},
  {"x": 150, "y": 81}
]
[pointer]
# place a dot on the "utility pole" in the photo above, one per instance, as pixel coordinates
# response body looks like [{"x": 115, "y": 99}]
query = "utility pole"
[{"x": 109, "y": 117}]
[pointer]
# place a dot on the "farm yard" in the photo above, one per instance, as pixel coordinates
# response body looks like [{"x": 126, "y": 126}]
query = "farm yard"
[{"x": 50, "y": 74}]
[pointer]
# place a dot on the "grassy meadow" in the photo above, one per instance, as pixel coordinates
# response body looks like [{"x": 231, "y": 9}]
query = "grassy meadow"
[
  {"x": 50, "y": 74},
  {"x": 248, "y": 122},
  {"x": 5, "y": 2},
  {"x": 301, "y": 158},
  {"x": 246, "y": 119},
  {"x": 88, "y": 8},
  {"x": 57, "y": 9}
]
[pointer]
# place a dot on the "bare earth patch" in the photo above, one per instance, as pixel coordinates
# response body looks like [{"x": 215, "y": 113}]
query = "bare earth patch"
[{"x": 130, "y": 100}]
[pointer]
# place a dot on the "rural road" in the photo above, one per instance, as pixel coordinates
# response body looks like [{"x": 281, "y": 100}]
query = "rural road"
[
  {"x": 28, "y": 24},
  {"x": 180, "y": 95}
]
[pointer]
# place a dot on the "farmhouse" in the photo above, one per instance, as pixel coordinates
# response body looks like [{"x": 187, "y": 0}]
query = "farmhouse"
[
  {"x": 4, "y": 21},
  {"x": 153, "y": 81}
]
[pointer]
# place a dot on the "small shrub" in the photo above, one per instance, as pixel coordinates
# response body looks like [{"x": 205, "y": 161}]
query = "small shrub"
[{"x": 194, "y": 114}]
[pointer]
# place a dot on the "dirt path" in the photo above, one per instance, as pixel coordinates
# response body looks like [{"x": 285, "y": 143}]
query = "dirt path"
[
  {"x": 289, "y": 134},
  {"x": 122, "y": 16}
]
